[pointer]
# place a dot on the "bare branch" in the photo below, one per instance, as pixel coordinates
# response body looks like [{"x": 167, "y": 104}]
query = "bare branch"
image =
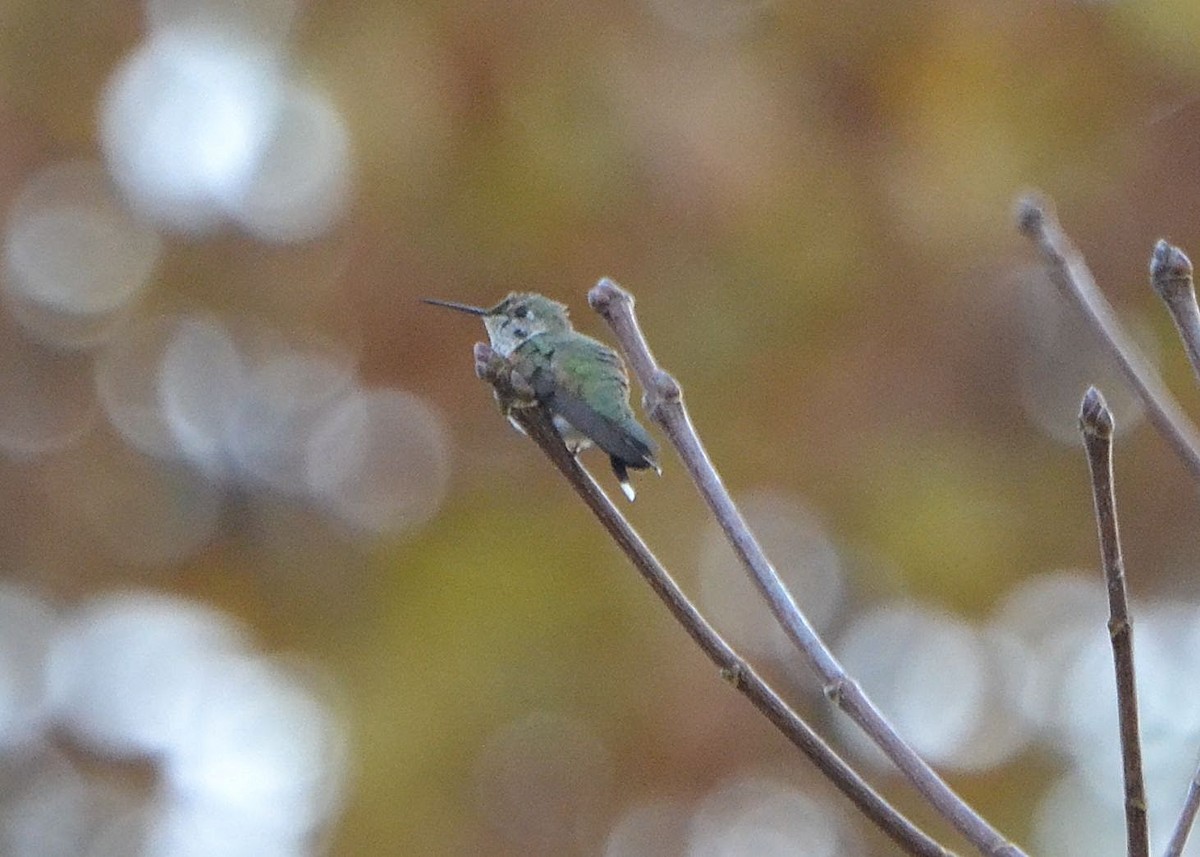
[
  {"x": 1187, "y": 817},
  {"x": 536, "y": 422},
  {"x": 665, "y": 406},
  {"x": 1069, "y": 272},
  {"x": 1171, "y": 276},
  {"x": 1096, "y": 424}
]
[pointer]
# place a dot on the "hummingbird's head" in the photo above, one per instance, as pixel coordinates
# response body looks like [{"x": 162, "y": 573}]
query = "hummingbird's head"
[
  {"x": 516, "y": 319},
  {"x": 522, "y": 316}
]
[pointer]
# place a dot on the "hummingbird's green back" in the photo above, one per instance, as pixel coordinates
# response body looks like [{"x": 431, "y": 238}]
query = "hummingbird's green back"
[{"x": 584, "y": 381}]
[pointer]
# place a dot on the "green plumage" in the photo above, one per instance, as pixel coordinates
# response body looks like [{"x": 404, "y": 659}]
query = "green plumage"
[{"x": 581, "y": 381}]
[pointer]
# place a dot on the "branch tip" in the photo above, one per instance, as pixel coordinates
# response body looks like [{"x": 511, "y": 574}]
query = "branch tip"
[
  {"x": 1031, "y": 215},
  {"x": 512, "y": 390},
  {"x": 485, "y": 361},
  {"x": 1068, "y": 271},
  {"x": 1170, "y": 268},
  {"x": 604, "y": 293},
  {"x": 1096, "y": 422},
  {"x": 1094, "y": 416}
]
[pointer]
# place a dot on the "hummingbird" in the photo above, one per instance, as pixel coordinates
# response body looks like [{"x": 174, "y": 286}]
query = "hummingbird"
[{"x": 581, "y": 381}]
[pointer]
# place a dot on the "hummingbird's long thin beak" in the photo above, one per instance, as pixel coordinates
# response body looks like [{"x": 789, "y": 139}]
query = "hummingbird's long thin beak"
[{"x": 467, "y": 308}]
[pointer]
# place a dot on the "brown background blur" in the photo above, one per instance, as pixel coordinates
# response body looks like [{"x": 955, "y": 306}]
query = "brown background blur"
[{"x": 812, "y": 203}]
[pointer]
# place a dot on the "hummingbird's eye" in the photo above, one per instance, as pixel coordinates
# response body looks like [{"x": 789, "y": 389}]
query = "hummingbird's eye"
[{"x": 520, "y": 312}]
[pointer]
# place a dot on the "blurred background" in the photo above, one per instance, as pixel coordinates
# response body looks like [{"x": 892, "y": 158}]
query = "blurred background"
[{"x": 276, "y": 578}]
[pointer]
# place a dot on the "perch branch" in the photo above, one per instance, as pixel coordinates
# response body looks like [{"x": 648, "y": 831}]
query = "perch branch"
[
  {"x": 1071, "y": 275},
  {"x": 536, "y": 422},
  {"x": 1096, "y": 424},
  {"x": 1171, "y": 276},
  {"x": 665, "y": 406}
]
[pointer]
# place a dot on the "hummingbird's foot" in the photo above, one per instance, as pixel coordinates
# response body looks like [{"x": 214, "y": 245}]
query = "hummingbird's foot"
[
  {"x": 514, "y": 422},
  {"x": 524, "y": 397}
]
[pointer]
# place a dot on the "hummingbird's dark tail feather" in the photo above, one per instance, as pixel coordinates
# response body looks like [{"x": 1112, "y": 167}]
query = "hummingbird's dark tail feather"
[
  {"x": 618, "y": 467},
  {"x": 626, "y": 440}
]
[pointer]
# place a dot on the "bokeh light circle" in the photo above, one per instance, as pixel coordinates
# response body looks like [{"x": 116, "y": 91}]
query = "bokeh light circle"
[
  {"x": 185, "y": 120},
  {"x": 1053, "y": 615},
  {"x": 1168, "y": 702},
  {"x": 760, "y": 817},
  {"x": 27, "y": 630},
  {"x": 380, "y": 460},
  {"x": 72, "y": 247},
  {"x": 805, "y": 558},
  {"x": 201, "y": 382},
  {"x": 301, "y": 185},
  {"x": 284, "y": 398},
  {"x": 127, "y": 385},
  {"x": 183, "y": 829},
  {"x": 128, "y": 670},
  {"x": 261, "y": 750},
  {"x": 656, "y": 827},
  {"x": 266, "y": 21},
  {"x": 927, "y": 672}
]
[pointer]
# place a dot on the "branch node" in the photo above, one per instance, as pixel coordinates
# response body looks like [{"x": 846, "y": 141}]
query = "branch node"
[
  {"x": 733, "y": 674},
  {"x": 1095, "y": 419},
  {"x": 664, "y": 386},
  {"x": 835, "y": 691}
]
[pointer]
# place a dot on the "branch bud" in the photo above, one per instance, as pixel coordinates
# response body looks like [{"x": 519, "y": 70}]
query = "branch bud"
[
  {"x": 1170, "y": 270},
  {"x": 1095, "y": 419}
]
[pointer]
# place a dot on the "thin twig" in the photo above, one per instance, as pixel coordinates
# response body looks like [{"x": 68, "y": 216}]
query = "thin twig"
[
  {"x": 1171, "y": 276},
  {"x": 536, "y": 422},
  {"x": 665, "y": 406},
  {"x": 1187, "y": 817},
  {"x": 1069, "y": 272},
  {"x": 1096, "y": 424}
]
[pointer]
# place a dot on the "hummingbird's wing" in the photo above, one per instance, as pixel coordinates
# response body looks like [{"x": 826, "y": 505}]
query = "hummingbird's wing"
[{"x": 584, "y": 382}]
